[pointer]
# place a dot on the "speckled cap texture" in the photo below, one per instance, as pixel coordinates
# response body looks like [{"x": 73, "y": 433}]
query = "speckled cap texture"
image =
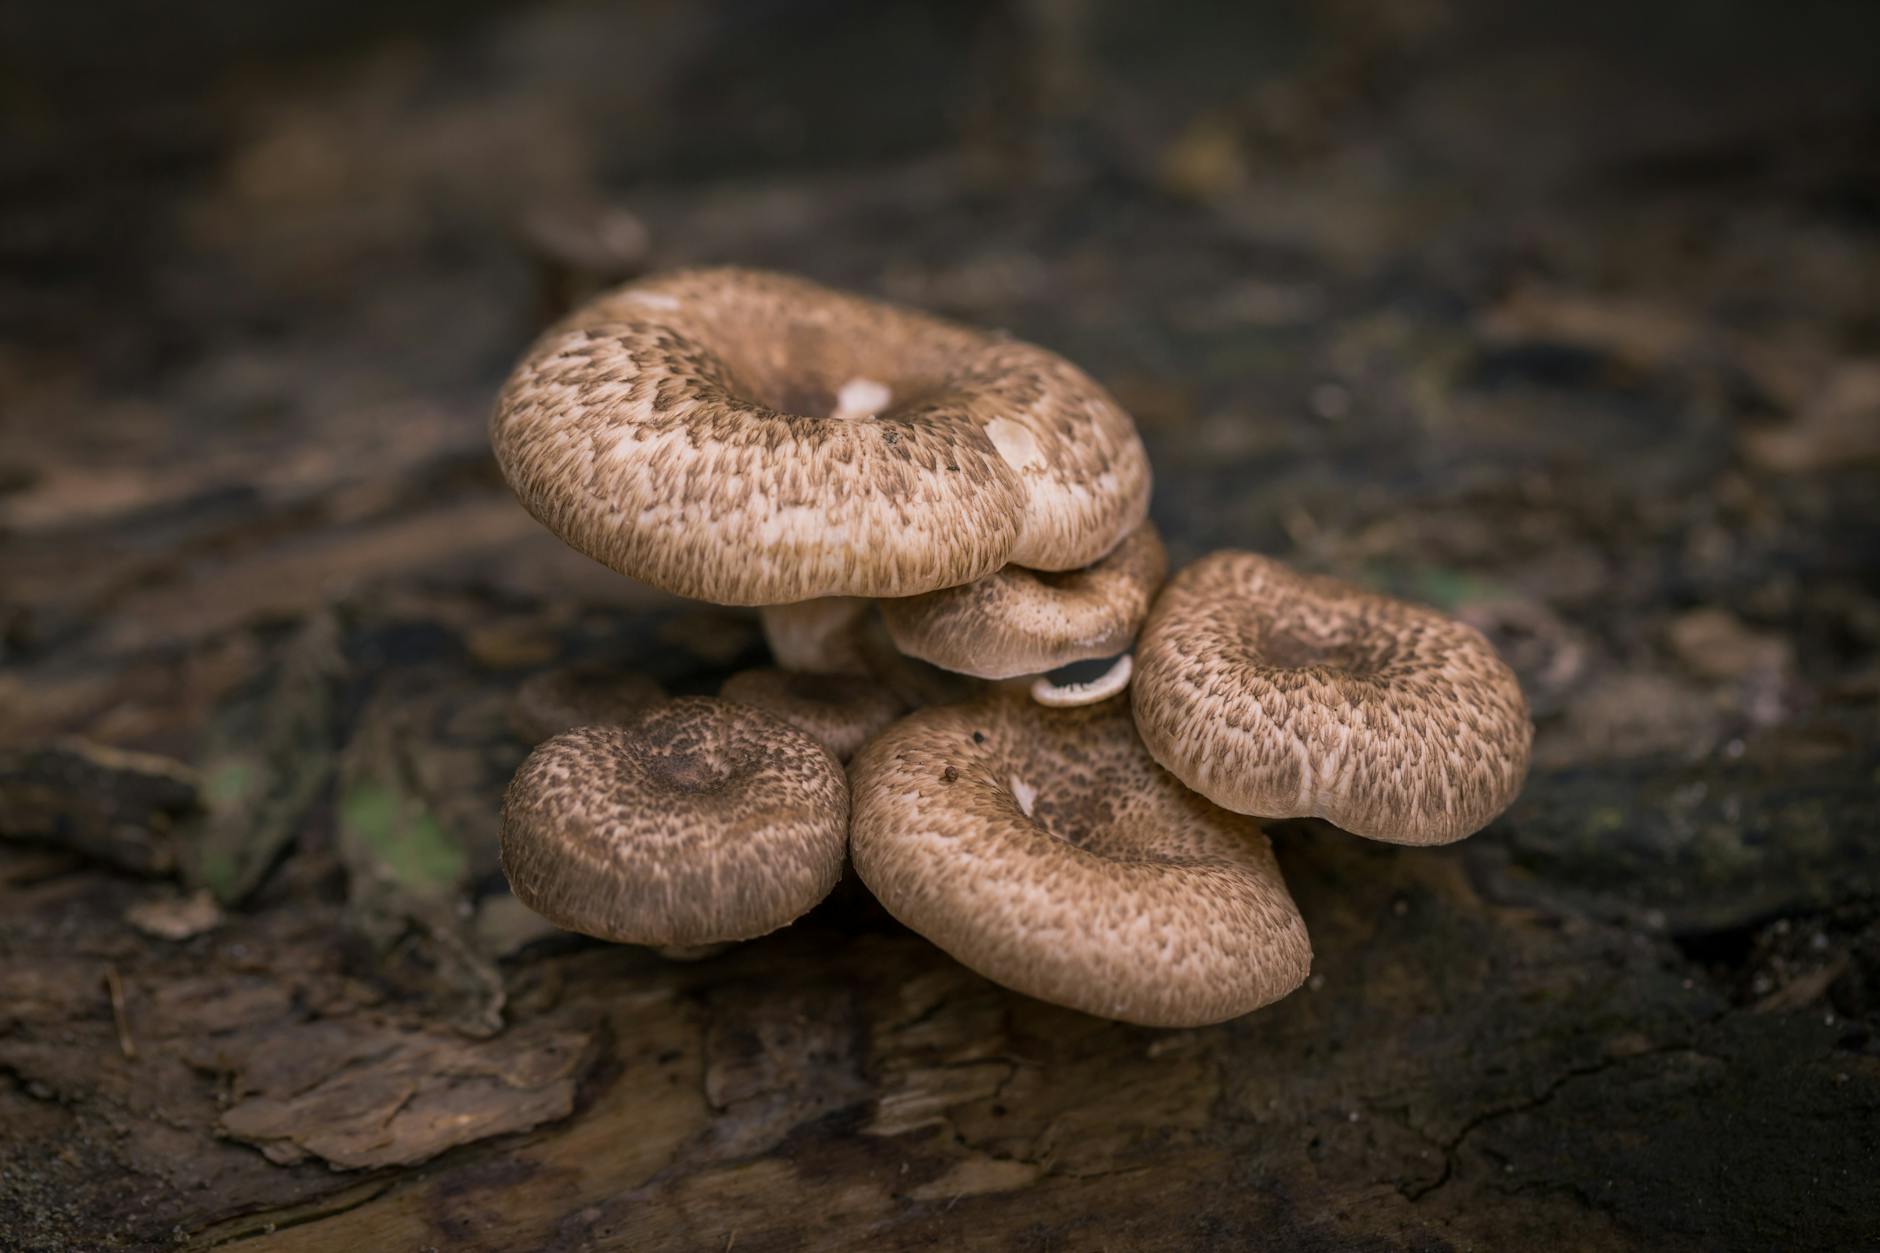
[
  {"x": 698, "y": 821},
  {"x": 1017, "y": 621},
  {"x": 1291, "y": 695},
  {"x": 1046, "y": 850},
  {"x": 754, "y": 439}
]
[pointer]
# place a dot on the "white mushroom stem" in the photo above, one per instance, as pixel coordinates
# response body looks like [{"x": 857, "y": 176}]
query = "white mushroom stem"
[
  {"x": 821, "y": 636},
  {"x": 861, "y": 398},
  {"x": 1070, "y": 695}
]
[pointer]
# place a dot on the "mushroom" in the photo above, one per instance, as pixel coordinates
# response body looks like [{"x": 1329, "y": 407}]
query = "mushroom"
[
  {"x": 754, "y": 439},
  {"x": 1019, "y": 621},
  {"x": 1047, "y": 851},
  {"x": 838, "y": 711},
  {"x": 698, "y": 821},
  {"x": 1286, "y": 695},
  {"x": 575, "y": 696}
]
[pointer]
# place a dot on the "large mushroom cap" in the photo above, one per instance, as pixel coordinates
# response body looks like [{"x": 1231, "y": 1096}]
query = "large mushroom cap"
[
  {"x": 1047, "y": 851},
  {"x": 697, "y": 822},
  {"x": 838, "y": 711},
  {"x": 1018, "y": 621},
  {"x": 1290, "y": 695},
  {"x": 750, "y": 438}
]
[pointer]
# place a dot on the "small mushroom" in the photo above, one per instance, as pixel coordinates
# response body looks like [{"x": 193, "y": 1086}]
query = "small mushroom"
[
  {"x": 552, "y": 701},
  {"x": 1019, "y": 621},
  {"x": 698, "y": 821},
  {"x": 1046, "y": 850},
  {"x": 838, "y": 711},
  {"x": 1287, "y": 695},
  {"x": 754, "y": 439}
]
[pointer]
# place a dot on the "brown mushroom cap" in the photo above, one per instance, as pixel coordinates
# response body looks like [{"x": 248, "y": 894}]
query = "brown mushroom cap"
[
  {"x": 697, "y": 822},
  {"x": 838, "y": 711},
  {"x": 1047, "y": 851},
  {"x": 1291, "y": 695},
  {"x": 578, "y": 696},
  {"x": 755, "y": 439},
  {"x": 1018, "y": 621}
]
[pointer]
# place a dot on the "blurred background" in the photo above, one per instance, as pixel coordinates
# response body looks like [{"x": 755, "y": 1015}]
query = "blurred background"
[{"x": 1564, "y": 317}]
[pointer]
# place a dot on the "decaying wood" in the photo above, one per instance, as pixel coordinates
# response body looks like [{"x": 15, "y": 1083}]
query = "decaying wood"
[{"x": 1449, "y": 299}]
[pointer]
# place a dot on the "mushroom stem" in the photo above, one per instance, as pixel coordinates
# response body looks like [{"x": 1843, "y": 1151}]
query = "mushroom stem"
[
  {"x": 822, "y": 636},
  {"x": 1070, "y": 695}
]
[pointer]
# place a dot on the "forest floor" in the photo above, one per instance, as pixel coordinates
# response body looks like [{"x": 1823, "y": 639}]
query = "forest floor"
[{"x": 1558, "y": 323}]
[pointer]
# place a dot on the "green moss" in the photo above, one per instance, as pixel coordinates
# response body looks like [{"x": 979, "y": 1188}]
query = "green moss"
[
  {"x": 1436, "y": 585},
  {"x": 231, "y": 782},
  {"x": 409, "y": 845}
]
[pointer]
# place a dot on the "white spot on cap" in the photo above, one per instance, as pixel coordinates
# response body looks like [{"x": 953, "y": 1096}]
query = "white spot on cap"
[
  {"x": 653, "y": 299},
  {"x": 860, "y": 399},
  {"x": 1015, "y": 443},
  {"x": 1025, "y": 793}
]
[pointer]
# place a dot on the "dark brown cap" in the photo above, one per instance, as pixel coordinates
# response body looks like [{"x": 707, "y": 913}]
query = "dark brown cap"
[
  {"x": 1046, "y": 850},
  {"x": 697, "y": 821}
]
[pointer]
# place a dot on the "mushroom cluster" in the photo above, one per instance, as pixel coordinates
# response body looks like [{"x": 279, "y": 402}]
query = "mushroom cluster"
[{"x": 933, "y": 521}]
